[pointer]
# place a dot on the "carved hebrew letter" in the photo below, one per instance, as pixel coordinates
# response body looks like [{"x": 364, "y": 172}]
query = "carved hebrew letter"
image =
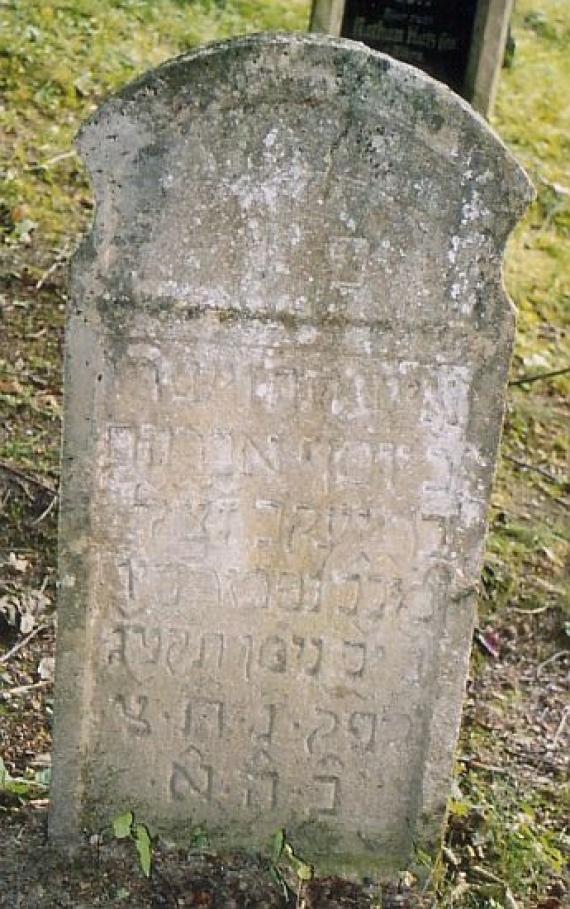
[{"x": 192, "y": 779}]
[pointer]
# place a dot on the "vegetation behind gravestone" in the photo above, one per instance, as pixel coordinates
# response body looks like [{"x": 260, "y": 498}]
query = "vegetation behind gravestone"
[{"x": 505, "y": 841}]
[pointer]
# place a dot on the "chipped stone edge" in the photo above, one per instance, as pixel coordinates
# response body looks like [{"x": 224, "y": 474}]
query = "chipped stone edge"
[{"x": 73, "y": 676}]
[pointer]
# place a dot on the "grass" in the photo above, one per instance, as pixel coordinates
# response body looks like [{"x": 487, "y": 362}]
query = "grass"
[
  {"x": 510, "y": 822},
  {"x": 533, "y": 116},
  {"x": 58, "y": 60}
]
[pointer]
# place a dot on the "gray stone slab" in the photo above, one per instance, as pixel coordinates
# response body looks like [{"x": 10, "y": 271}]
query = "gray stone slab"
[{"x": 286, "y": 358}]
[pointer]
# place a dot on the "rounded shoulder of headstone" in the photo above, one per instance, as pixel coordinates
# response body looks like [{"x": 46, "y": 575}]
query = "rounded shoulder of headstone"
[{"x": 307, "y": 69}]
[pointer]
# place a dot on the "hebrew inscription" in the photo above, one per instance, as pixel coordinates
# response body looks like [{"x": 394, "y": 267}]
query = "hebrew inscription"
[
  {"x": 281, "y": 587},
  {"x": 286, "y": 360}
]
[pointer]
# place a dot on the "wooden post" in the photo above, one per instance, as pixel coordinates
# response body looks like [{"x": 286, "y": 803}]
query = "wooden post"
[
  {"x": 486, "y": 53},
  {"x": 326, "y": 16}
]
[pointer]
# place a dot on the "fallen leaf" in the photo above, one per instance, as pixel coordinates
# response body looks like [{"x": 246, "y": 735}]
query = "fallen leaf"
[
  {"x": 27, "y": 622},
  {"x": 10, "y": 387},
  {"x": 46, "y": 669},
  {"x": 17, "y": 563}
]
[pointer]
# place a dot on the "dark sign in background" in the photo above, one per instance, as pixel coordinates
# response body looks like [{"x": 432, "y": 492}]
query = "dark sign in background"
[{"x": 434, "y": 35}]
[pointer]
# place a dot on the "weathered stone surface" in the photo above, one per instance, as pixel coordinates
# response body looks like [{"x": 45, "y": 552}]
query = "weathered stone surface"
[{"x": 286, "y": 357}]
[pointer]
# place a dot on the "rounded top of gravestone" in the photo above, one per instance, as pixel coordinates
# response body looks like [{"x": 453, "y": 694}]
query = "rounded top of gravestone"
[
  {"x": 307, "y": 69},
  {"x": 248, "y": 174}
]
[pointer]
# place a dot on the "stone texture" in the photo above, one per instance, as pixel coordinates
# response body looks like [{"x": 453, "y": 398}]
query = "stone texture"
[{"x": 286, "y": 359}]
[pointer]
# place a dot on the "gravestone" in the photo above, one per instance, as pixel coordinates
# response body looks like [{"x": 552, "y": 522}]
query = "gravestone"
[
  {"x": 461, "y": 44},
  {"x": 286, "y": 358}
]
